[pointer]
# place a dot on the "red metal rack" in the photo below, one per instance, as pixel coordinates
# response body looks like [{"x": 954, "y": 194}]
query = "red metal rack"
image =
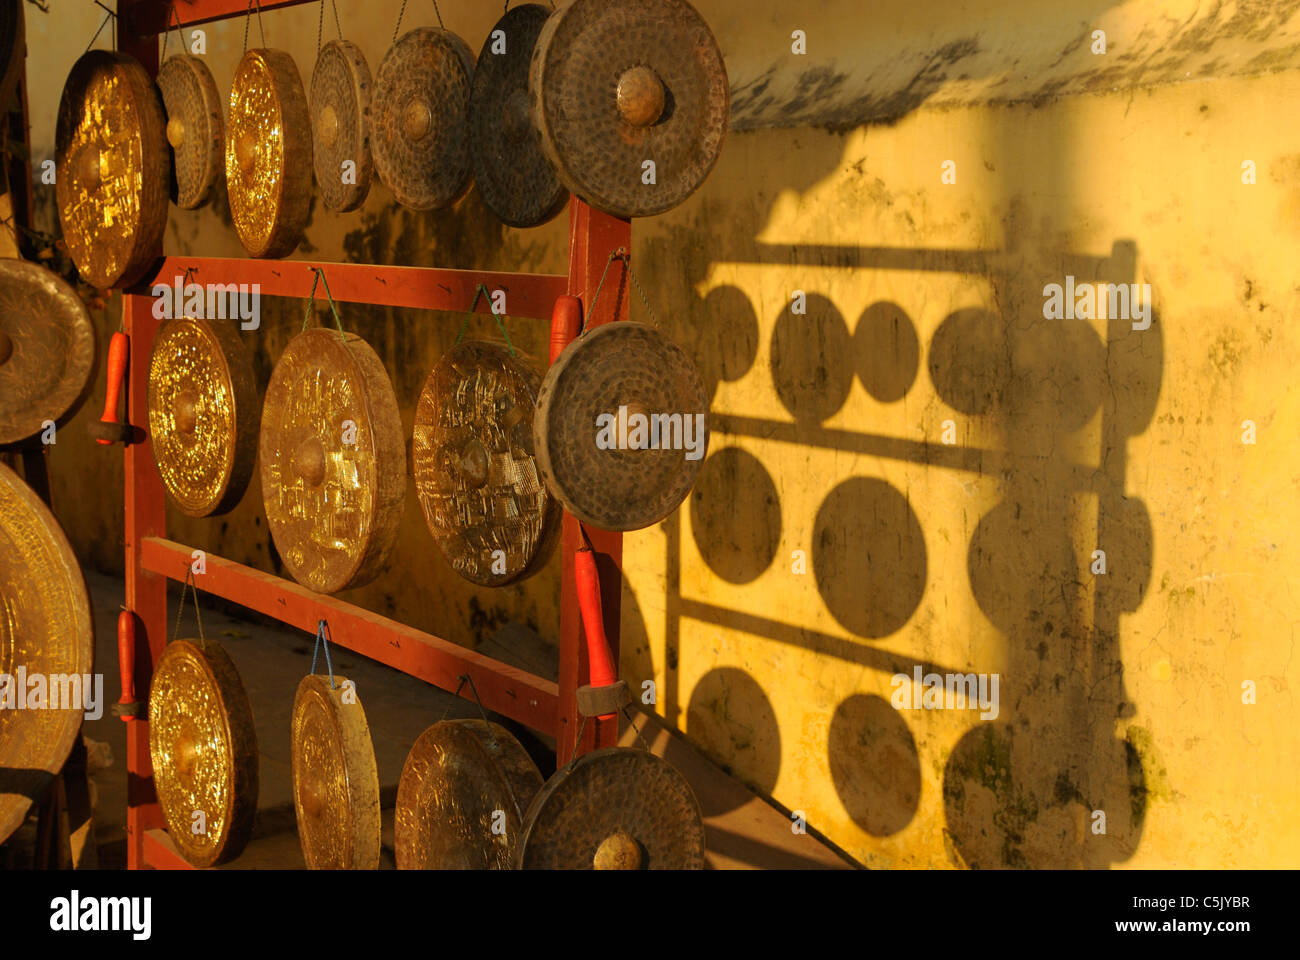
[{"x": 151, "y": 558}]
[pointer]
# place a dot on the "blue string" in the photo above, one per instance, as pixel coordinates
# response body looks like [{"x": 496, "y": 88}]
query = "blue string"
[{"x": 322, "y": 637}]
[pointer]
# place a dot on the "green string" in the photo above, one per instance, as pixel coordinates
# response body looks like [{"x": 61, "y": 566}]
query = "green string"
[
  {"x": 311, "y": 300},
  {"x": 479, "y": 291}
]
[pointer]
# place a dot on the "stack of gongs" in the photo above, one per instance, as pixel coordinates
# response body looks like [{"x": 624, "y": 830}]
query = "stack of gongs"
[{"x": 195, "y": 130}]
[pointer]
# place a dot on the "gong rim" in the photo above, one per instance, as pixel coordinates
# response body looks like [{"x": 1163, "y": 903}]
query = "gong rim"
[
  {"x": 192, "y": 111},
  {"x": 341, "y": 70}
]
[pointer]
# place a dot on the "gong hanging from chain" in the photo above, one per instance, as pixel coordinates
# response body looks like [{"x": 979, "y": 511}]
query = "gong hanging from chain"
[
  {"x": 335, "y": 780},
  {"x": 631, "y": 100},
  {"x": 47, "y": 348},
  {"x": 621, "y": 426},
  {"x": 340, "y": 122},
  {"x": 204, "y": 414},
  {"x": 421, "y": 130},
  {"x": 333, "y": 460},
  {"x": 268, "y": 154},
  {"x": 513, "y": 175},
  {"x": 195, "y": 129},
  {"x": 113, "y": 171},
  {"x": 475, "y": 474},
  {"x": 460, "y": 797},
  {"x": 45, "y": 632}
]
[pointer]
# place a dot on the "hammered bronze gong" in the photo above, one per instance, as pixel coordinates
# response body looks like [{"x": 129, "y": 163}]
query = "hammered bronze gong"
[
  {"x": 204, "y": 414},
  {"x": 47, "y": 348},
  {"x": 112, "y": 169},
  {"x": 195, "y": 129},
  {"x": 268, "y": 154},
  {"x": 333, "y": 461},
  {"x": 632, "y": 102},
  {"x": 335, "y": 780},
  {"x": 45, "y": 635},
  {"x": 420, "y": 135},
  {"x": 475, "y": 474},
  {"x": 340, "y": 123},
  {"x": 621, "y": 427},
  {"x": 614, "y": 809},
  {"x": 460, "y": 797},
  {"x": 513, "y": 175},
  {"x": 204, "y": 751}
]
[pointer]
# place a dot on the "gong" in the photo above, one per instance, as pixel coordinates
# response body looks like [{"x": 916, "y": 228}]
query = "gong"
[
  {"x": 47, "y": 348},
  {"x": 472, "y": 453},
  {"x": 632, "y": 102},
  {"x": 204, "y": 414},
  {"x": 195, "y": 129},
  {"x": 340, "y": 123},
  {"x": 112, "y": 172},
  {"x": 621, "y": 427},
  {"x": 45, "y": 631},
  {"x": 613, "y": 809},
  {"x": 459, "y": 799},
  {"x": 514, "y": 177},
  {"x": 335, "y": 780},
  {"x": 421, "y": 129},
  {"x": 268, "y": 154},
  {"x": 333, "y": 460},
  {"x": 204, "y": 751}
]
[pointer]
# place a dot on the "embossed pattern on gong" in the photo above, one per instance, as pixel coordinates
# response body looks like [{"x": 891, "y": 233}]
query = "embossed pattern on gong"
[
  {"x": 475, "y": 474},
  {"x": 45, "y": 627},
  {"x": 195, "y": 128},
  {"x": 47, "y": 348},
  {"x": 340, "y": 118}
]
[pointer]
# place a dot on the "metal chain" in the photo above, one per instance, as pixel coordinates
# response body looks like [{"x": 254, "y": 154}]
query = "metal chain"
[
  {"x": 167, "y": 31},
  {"x": 400, "y": 13},
  {"x": 261, "y": 28},
  {"x": 323, "y": 633},
  {"x": 180, "y": 607},
  {"x": 439, "y": 13},
  {"x": 337, "y": 26},
  {"x": 592, "y": 307},
  {"x": 110, "y": 15},
  {"x": 447, "y": 709},
  {"x": 632, "y": 723},
  {"x": 320, "y": 26}
]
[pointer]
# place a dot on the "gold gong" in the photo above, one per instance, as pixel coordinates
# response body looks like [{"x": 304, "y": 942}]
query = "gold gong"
[
  {"x": 195, "y": 130},
  {"x": 480, "y": 489},
  {"x": 268, "y": 154},
  {"x": 204, "y": 751},
  {"x": 333, "y": 462},
  {"x": 112, "y": 171},
  {"x": 203, "y": 414},
  {"x": 335, "y": 780},
  {"x": 45, "y": 631}
]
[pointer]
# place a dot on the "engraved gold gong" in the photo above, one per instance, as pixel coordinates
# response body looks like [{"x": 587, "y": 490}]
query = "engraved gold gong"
[
  {"x": 472, "y": 453},
  {"x": 333, "y": 461},
  {"x": 340, "y": 123},
  {"x": 45, "y": 631},
  {"x": 204, "y": 751},
  {"x": 459, "y": 799},
  {"x": 204, "y": 414},
  {"x": 112, "y": 169},
  {"x": 195, "y": 130},
  {"x": 335, "y": 780},
  {"x": 268, "y": 154}
]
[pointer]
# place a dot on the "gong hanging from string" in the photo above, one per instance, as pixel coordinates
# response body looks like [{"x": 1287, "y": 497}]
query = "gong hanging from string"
[
  {"x": 112, "y": 169},
  {"x": 513, "y": 175},
  {"x": 420, "y": 135},
  {"x": 475, "y": 473},
  {"x": 460, "y": 797},
  {"x": 45, "y": 631},
  {"x": 47, "y": 348},
  {"x": 631, "y": 100},
  {"x": 195, "y": 129},
  {"x": 204, "y": 414},
  {"x": 621, "y": 426},
  {"x": 268, "y": 154},
  {"x": 340, "y": 122}
]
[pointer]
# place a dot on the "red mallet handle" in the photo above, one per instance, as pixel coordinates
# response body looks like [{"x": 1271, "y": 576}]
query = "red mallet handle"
[
  {"x": 117, "y": 350},
  {"x": 601, "y": 664},
  {"x": 127, "y": 705},
  {"x": 566, "y": 321}
]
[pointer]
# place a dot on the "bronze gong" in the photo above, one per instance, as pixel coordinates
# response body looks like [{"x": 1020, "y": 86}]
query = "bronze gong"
[
  {"x": 333, "y": 461},
  {"x": 472, "y": 452},
  {"x": 45, "y": 632},
  {"x": 513, "y": 175},
  {"x": 618, "y": 85},
  {"x": 421, "y": 130},
  {"x": 268, "y": 154},
  {"x": 112, "y": 170},
  {"x": 335, "y": 780},
  {"x": 204, "y": 414},
  {"x": 47, "y": 348},
  {"x": 204, "y": 751},
  {"x": 614, "y": 809},
  {"x": 621, "y": 427},
  {"x": 195, "y": 129},
  {"x": 460, "y": 797},
  {"x": 340, "y": 123}
]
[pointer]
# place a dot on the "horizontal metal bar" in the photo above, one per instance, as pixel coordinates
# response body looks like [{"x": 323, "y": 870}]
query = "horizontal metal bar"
[
  {"x": 530, "y": 295},
  {"x": 161, "y": 854},
  {"x": 151, "y": 16},
  {"x": 529, "y": 699}
]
